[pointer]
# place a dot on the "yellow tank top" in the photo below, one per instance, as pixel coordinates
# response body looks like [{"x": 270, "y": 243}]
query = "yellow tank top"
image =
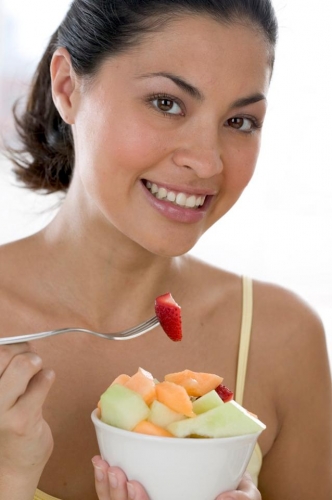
[
  {"x": 255, "y": 463},
  {"x": 256, "y": 460}
]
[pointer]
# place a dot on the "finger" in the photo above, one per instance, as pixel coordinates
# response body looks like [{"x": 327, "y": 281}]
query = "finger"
[
  {"x": 246, "y": 483},
  {"x": 136, "y": 491},
  {"x": 37, "y": 391},
  {"x": 7, "y": 352},
  {"x": 117, "y": 487},
  {"x": 25, "y": 418},
  {"x": 245, "y": 491},
  {"x": 101, "y": 478},
  {"x": 118, "y": 484},
  {"x": 15, "y": 379}
]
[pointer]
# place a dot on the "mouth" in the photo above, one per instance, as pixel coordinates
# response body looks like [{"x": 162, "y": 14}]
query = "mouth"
[{"x": 180, "y": 199}]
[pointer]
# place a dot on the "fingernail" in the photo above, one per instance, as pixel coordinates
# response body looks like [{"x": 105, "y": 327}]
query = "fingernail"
[
  {"x": 131, "y": 491},
  {"x": 99, "y": 475},
  {"x": 113, "y": 480}
]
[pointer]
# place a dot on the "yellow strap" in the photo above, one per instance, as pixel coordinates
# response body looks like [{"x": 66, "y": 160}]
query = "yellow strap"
[
  {"x": 246, "y": 324},
  {"x": 39, "y": 495},
  {"x": 247, "y": 309}
]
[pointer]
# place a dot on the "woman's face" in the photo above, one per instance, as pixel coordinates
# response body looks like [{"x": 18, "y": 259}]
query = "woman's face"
[{"x": 167, "y": 137}]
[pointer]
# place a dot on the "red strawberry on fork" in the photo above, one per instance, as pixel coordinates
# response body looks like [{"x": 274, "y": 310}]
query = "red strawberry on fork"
[{"x": 169, "y": 314}]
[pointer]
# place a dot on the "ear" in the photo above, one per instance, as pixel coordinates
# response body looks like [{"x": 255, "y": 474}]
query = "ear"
[{"x": 64, "y": 85}]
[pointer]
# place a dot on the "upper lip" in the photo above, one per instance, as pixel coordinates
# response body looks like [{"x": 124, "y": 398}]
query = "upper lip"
[{"x": 198, "y": 191}]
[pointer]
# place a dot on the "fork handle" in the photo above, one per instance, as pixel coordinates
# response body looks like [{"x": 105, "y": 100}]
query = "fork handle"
[{"x": 36, "y": 336}]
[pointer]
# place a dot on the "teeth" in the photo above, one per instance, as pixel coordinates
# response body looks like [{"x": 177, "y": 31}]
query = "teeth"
[
  {"x": 191, "y": 202},
  {"x": 171, "y": 196},
  {"x": 161, "y": 194},
  {"x": 181, "y": 199},
  {"x": 154, "y": 188}
]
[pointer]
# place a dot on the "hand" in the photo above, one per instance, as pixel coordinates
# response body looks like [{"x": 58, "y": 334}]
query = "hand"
[
  {"x": 26, "y": 441},
  {"x": 107, "y": 477},
  {"x": 246, "y": 491},
  {"x": 112, "y": 484}
]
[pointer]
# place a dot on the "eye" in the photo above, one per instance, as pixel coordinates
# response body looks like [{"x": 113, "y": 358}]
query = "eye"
[
  {"x": 166, "y": 104},
  {"x": 243, "y": 124}
]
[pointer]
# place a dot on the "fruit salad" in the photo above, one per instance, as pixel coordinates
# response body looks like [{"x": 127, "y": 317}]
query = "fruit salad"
[{"x": 186, "y": 404}]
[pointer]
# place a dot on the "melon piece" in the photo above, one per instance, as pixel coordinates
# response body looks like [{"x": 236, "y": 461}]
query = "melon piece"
[
  {"x": 228, "y": 419},
  {"x": 207, "y": 402},
  {"x": 145, "y": 427},
  {"x": 196, "y": 383},
  {"x": 162, "y": 416},
  {"x": 175, "y": 397},
  {"x": 143, "y": 383},
  {"x": 122, "y": 407},
  {"x": 121, "y": 379}
]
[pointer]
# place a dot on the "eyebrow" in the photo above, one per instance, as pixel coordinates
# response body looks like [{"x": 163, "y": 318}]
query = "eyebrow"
[
  {"x": 180, "y": 82},
  {"x": 198, "y": 95},
  {"x": 245, "y": 101}
]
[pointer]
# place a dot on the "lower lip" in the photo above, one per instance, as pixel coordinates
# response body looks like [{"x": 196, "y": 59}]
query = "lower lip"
[{"x": 175, "y": 212}]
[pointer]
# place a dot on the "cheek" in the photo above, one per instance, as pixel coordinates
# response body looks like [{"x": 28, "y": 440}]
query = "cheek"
[
  {"x": 113, "y": 149},
  {"x": 238, "y": 173}
]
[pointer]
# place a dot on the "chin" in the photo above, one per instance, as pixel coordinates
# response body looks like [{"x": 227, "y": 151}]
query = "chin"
[{"x": 171, "y": 248}]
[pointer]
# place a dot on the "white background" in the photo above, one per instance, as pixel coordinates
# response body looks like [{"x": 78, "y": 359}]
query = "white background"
[{"x": 280, "y": 230}]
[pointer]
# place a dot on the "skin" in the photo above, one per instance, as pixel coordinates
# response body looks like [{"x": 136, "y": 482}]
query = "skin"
[{"x": 99, "y": 266}]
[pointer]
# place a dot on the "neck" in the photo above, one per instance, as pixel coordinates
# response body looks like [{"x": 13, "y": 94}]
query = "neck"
[{"x": 98, "y": 270}]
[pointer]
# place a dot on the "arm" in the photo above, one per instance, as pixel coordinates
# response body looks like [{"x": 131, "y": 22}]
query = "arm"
[
  {"x": 25, "y": 438},
  {"x": 299, "y": 463}
]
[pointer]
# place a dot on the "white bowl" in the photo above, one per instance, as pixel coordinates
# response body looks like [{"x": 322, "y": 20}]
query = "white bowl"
[{"x": 176, "y": 468}]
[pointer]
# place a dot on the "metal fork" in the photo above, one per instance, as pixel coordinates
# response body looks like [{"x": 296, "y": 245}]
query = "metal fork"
[{"x": 130, "y": 333}]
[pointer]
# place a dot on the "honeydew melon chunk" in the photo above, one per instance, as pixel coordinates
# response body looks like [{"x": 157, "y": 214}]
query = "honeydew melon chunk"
[
  {"x": 207, "y": 402},
  {"x": 226, "y": 420},
  {"x": 122, "y": 407},
  {"x": 162, "y": 416}
]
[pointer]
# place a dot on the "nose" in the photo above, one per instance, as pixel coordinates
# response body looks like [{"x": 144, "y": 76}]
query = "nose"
[{"x": 206, "y": 162}]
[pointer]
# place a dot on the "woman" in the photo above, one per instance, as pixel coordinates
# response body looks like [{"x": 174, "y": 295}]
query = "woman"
[{"x": 149, "y": 115}]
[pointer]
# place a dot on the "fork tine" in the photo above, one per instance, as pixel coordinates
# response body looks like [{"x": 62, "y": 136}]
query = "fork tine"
[{"x": 147, "y": 325}]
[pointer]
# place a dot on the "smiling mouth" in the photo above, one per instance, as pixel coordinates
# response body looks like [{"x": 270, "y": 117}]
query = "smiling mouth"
[{"x": 184, "y": 200}]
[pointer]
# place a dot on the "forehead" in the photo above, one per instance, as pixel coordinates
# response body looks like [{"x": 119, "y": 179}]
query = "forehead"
[{"x": 206, "y": 52}]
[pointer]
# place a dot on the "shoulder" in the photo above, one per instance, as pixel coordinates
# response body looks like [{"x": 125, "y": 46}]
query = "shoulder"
[
  {"x": 287, "y": 333},
  {"x": 283, "y": 317},
  {"x": 289, "y": 348},
  {"x": 290, "y": 377},
  {"x": 15, "y": 276}
]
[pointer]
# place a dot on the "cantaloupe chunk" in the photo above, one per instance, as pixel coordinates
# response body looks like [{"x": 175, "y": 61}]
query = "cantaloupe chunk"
[
  {"x": 145, "y": 427},
  {"x": 121, "y": 379},
  {"x": 143, "y": 383},
  {"x": 195, "y": 383},
  {"x": 162, "y": 415},
  {"x": 175, "y": 397}
]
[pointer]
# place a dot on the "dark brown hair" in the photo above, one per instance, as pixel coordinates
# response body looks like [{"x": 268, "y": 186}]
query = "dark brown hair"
[{"x": 92, "y": 31}]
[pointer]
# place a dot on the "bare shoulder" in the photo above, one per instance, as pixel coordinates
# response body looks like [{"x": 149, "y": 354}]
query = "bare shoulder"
[
  {"x": 289, "y": 357},
  {"x": 288, "y": 324},
  {"x": 15, "y": 276},
  {"x": 288, "y": 344},
  {"x": 12, "y": 260}
]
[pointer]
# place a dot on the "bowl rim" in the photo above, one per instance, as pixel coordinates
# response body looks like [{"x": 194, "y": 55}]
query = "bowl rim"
[{"x": 145, "y": 437}]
